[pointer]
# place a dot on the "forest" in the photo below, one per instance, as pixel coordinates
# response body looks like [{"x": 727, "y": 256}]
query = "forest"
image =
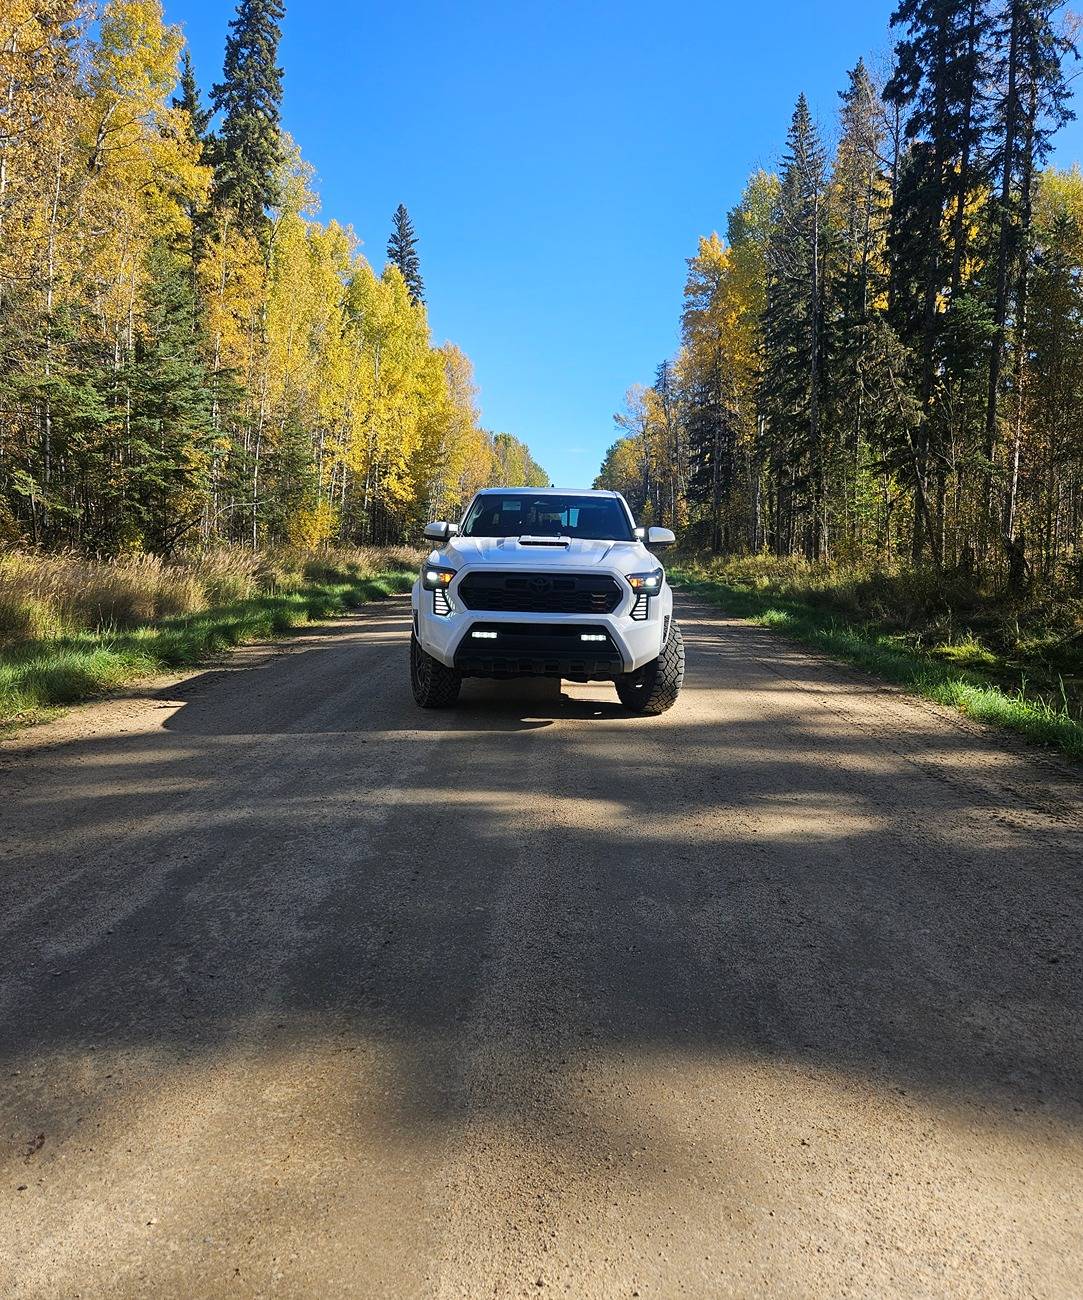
[
  {"x": 881, "y": 361},
  {"x": 188, "y": 356}
]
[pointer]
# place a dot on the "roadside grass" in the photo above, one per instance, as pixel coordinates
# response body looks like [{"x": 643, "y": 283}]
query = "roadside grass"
[
  {"x": 963, "y": 672},
  {"x": 38, "y": 674}
]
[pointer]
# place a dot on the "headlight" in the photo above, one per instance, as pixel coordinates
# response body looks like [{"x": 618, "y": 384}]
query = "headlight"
[
  {"x": 434, "y": 579},
  {"x": 649, "y": 584}
]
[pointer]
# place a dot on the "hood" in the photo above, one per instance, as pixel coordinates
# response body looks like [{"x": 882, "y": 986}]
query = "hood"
[{"x": 523, "y": 553}]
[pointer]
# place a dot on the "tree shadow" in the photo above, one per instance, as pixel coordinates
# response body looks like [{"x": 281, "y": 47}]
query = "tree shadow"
[{"x": 304, "y": 858}]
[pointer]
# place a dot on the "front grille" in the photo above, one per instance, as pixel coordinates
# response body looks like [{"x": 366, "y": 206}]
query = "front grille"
[
  {"x": 540, "y": 593},
  {"x": 538, "y": 650}
]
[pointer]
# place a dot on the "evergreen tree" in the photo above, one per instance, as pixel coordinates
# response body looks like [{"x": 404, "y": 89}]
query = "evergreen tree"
[
  {"x": 168, "y": 397},
  {"x": 937, "y": 83},
  {"x": 248, "y": 148},
  {"x": 402, "y": 252},
  {"x": 189, "y": 99},
  {"x": 673, "y": 442},
  {"x": 711, "y": 441},
  {"x": 1030, "y": 106},
  {"x": 793, "y": 377},
  {"x": 190, "y": 102},
  {"x": 861, "y": 199}
]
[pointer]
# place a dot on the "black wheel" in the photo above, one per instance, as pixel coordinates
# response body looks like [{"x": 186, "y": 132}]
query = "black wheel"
[
  {"x": 654, "y": 688},
  {"x": 435, "y": 687}
]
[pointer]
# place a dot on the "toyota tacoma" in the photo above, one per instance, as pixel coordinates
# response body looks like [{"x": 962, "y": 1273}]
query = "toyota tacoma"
[{"x": 546, "y": 583}]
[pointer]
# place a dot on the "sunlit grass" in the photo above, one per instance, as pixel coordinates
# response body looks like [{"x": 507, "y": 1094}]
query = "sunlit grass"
[
  {"x": 38, "y": 675},
  {"x": 955, "y": 674}
]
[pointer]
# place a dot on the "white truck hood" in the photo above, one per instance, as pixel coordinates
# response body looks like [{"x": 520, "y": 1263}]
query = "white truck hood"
[{"x": 545, "y": 553}]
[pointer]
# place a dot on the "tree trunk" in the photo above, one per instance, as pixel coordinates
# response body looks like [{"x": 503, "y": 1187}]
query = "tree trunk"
[{"x": 1000, "y": 302}]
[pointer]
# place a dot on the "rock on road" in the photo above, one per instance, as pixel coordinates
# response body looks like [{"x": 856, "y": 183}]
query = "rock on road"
[{"x": 308, "y": 993}]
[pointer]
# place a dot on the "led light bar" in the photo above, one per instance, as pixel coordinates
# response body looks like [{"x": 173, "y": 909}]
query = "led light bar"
[
  {"x": 592, "y": 636},
  {"x": 485, "y": 636}
]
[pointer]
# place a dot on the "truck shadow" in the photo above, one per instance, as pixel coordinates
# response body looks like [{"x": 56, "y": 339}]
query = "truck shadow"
[{"x": 327, "y": 660}]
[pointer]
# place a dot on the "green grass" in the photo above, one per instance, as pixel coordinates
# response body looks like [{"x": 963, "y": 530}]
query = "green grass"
[
  {"x": 962, "y": 675},
  {"x": 38, "y": 676}
]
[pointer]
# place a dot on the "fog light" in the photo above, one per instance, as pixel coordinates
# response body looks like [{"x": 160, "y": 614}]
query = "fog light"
[
  {"x": 592, "y": 636},
  {"x": 485, "y": 636}
]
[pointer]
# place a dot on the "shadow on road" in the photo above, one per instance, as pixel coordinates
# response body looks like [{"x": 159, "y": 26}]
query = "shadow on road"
[{"x": 298, "y": 855}]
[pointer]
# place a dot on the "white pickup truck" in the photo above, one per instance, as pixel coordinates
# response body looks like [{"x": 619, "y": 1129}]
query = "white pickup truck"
[{"x": 538, "y": 582}]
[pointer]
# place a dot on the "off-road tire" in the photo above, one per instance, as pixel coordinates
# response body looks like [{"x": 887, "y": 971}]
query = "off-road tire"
[
  {"x": 654, "y": 688},
  {"x": 434, "y": 685}
]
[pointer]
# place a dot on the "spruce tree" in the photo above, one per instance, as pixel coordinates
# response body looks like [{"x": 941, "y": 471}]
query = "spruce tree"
[
  {"x": 665, "y": 385},
  {"x": 248, "y": 148},
  {"x": 168, "y": 395},
  {"x": 793, "y": 322},
  {"x": 862, "y": 194},
  {"x": 712, "y": 434},
  {"x": 199, "y": 120},
  {"x": 402, "y": 252},
  {"x": 189, "y": 99},
  {"x": 941, "y": 67}
]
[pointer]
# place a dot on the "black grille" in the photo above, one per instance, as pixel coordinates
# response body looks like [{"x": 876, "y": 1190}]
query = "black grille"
[
  {"x": 538, "y": 650},
  {"x": 540, "y": 593}
]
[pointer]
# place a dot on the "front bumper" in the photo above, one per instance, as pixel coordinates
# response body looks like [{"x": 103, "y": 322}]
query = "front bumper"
[
  {"x": 506, "y": 649},
  {"x": 543, "y": 644}
]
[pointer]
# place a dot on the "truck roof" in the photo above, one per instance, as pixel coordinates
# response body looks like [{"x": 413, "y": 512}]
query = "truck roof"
[{"x": 549, "y": 491}]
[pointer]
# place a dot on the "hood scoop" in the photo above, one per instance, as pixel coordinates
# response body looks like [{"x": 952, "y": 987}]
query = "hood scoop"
[{"x": 562, "y": 542}]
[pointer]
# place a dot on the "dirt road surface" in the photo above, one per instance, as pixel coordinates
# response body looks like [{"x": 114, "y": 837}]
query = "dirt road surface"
[{"x": 306, "y": 993}]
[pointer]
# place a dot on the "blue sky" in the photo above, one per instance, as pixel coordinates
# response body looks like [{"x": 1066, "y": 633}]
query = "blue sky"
[{"x": 559, "y": 161}]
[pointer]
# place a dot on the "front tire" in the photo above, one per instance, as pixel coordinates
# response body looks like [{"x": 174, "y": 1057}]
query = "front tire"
[
  {"x": 654, "y": 688},
  {"x": 435, "y": 686}
]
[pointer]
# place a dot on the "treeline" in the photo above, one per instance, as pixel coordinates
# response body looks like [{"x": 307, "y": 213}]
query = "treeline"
[
  {"x": 883, "y": 360},
  {"x": 186, "y": 354}
]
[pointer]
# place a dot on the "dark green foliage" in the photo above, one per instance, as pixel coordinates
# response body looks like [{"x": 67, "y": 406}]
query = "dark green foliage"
[
  {"x": 675, "y": 444},
  {"x": 939, "y": 86},
  {"x": 402, "y": 252},
  {"x": 189, "y": 99},
  {"x": 793, "y": 339},
  {"x": 167, "y": 393},
  {"x": 122, "y": 449},
  {"x": 891, "y": 365},
  {"x": 712, "y": 433},
  {"x": 248, "y": 147},
  {"x": 1030, "y": 104}
]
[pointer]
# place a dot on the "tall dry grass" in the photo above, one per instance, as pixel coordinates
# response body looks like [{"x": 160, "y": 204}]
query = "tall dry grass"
[
  {"x": 43, "y": 597},
  {"x": 948, "y": 608}
]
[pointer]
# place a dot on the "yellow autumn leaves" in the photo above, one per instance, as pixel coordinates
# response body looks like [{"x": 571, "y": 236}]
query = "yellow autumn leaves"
[{"x": 331, "y": 412}]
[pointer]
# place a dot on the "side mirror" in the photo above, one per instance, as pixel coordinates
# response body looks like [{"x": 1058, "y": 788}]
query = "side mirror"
[
  {"x": 441, "y": 532},
  {"x": 660, "y": 537}
]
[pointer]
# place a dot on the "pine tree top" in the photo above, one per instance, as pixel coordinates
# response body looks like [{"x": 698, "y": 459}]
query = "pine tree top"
[
  {"x": 402, "y": 252},
  {"x": 249, "y": 150},
  {"x": 189, "y": 98}
]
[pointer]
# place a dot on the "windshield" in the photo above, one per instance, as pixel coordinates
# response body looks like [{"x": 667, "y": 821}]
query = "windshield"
[{"x": 599, "y": 519}]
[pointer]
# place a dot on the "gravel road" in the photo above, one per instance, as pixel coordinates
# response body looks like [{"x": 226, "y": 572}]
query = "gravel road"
[{"x": 307, "y": 993}]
